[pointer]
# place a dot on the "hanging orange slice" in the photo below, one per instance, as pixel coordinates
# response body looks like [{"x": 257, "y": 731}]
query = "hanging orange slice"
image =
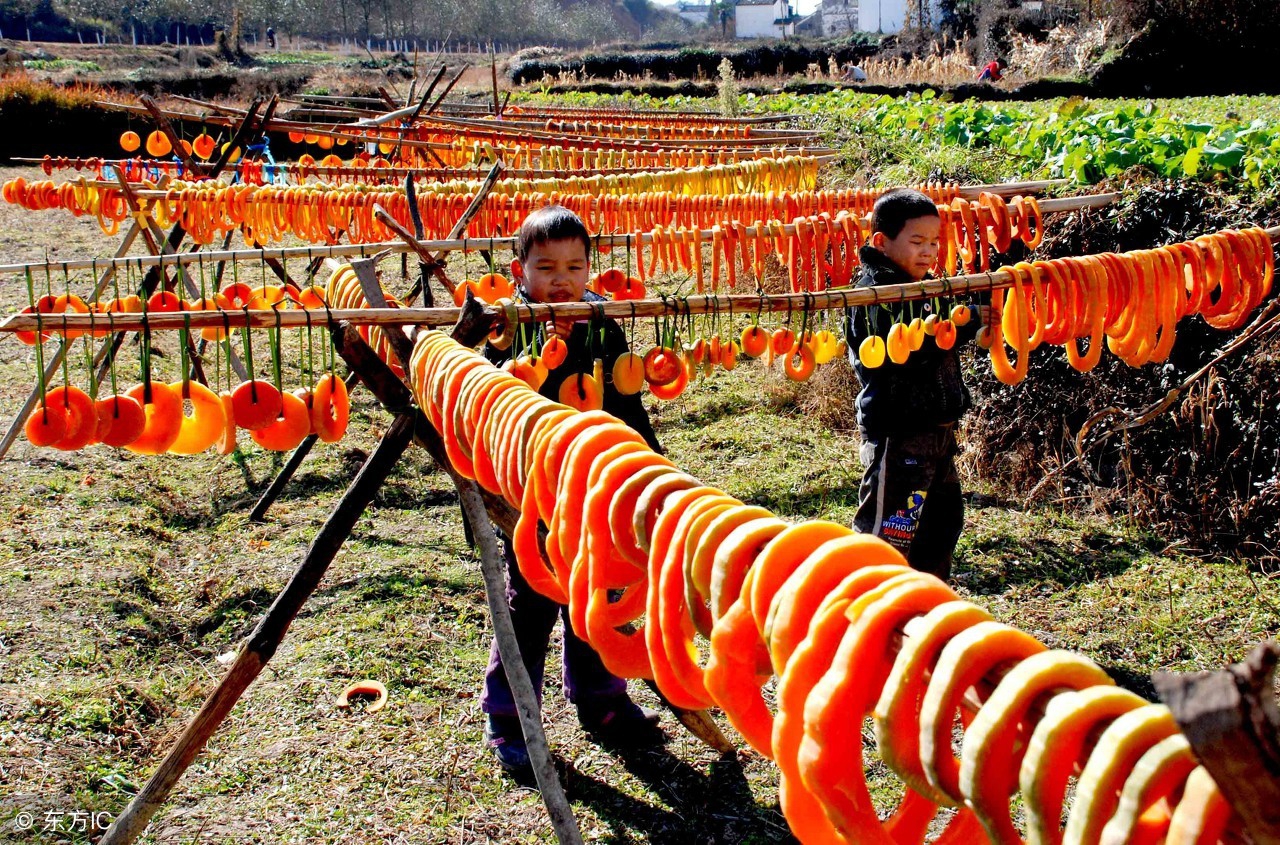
[
  {"x": 163, "y": 418},
  {"x": 158, "y": 144},
  {"x": 121, "y": 420},
  {"x": 206, "y": 424},
  {"x": 289, "y": 429},
  {"x": 257, "y": 404},
  {"x": 203, "y": 146},
  {"x": 330, "y": 408}
]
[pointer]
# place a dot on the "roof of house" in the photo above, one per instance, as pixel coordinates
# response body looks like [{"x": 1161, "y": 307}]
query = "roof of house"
[{"x": 755, "y": 2}]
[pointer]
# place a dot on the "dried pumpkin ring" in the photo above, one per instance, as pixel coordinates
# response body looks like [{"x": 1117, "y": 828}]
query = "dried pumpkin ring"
[
  {"x": 374, "y": 688},
  {"x": 1121, "y": 745}
]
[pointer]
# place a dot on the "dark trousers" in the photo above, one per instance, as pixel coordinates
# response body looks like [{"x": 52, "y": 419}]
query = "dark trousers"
[
  {"x": 534, "y": 615},
  {"x": 910, "y": 496}
]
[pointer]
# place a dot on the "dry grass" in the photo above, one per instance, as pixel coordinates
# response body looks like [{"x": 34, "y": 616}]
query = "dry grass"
[
  {"x": 1067, "y": 50},
  {"x": 950, "y": 68},
  {"x": 20, "y": 85}
]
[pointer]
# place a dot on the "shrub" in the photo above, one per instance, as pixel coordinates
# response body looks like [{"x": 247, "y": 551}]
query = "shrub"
[
  {"x": 762, "y": 59},
  {"x": 728, "y": 90}
]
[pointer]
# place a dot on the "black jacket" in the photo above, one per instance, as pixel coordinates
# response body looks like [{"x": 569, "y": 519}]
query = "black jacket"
[
  {"x": 926, "y": 391},
  {"x": 585, "y": 345}
]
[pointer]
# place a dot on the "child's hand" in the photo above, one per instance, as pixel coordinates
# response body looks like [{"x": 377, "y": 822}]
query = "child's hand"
[
  {"x": 984, "y": 314},
  {"x": 563, "y": 328}
]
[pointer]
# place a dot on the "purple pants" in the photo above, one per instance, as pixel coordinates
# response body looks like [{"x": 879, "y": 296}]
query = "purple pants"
[{"x": 534, "y": 615}]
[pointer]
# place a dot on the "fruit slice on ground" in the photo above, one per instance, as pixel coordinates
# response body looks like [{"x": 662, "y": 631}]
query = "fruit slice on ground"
[
  {"x": 1121, "y": 745},
  {"x": 1057, "y": 748},
  {"x": 996, "y": 738},
  {"x": 374, "y": 688}
]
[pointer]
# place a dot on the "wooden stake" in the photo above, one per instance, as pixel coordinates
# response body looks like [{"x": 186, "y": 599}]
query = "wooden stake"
[
  {"x": 493, "y": 67},
  {"x": 268, "y": 634},
  {"x": 1232, "y": 721}
]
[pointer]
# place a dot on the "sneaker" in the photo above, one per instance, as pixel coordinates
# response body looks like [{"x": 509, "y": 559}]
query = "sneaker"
[
  {"x": 504, "y": 735},
  {"x": 621, "y": 722}
]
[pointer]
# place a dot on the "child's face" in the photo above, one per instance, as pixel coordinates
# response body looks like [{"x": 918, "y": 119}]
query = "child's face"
[
  {"x": 554, "y": 271},
  {"x": 915, "y": 249}
]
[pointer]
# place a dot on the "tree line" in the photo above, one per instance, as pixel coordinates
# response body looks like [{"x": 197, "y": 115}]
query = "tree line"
[{"x": 520, "y": 22}]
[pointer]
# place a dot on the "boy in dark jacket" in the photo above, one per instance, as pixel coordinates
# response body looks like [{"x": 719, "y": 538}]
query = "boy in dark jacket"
[
  {"x": 552, "y": 264},
  {"x": 907, "y": 413}
]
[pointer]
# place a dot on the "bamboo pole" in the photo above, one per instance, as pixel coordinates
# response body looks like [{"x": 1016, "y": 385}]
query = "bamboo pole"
[
  {"x": 515, "y": 137},
  {"x": 541, "y": 312},
  {"x": 1056, "y": 206}
]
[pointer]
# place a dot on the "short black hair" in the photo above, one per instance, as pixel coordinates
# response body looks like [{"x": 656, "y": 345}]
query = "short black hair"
[
  {"x": 551, "y": 223},
  {"x": 894, "y": 208}
]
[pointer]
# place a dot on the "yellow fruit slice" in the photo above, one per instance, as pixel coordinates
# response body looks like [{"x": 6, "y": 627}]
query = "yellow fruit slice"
[
  {"x": 1202, "y": 815},
  {"x": 1055, "y": 749},
  {"x": 1121, "y": 745},
  {"x": 963, "y": 662},
  {"x": 897, "y": 714},
  {"x": 996, "y": 739},
  {"x": 1159, "y": 774}
]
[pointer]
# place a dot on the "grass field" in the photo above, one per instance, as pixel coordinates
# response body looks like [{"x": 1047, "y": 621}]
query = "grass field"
[{"x": 126, "y": 581}]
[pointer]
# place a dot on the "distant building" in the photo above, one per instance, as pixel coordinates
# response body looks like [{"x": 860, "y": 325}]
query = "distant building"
[
  {"x": 810, "y": 25},
  {"x": 763, "y": 19},
  {"x": 694, "y": 13},
  {"x": 841, "y": 17}
]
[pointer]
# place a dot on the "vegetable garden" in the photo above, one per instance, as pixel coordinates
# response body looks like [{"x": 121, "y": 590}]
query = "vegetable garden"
[{"x": 727, "y": 256}]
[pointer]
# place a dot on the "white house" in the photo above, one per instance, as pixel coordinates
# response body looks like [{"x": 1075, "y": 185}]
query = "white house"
[
  {"x": 763, "y": 19},
  {"x": 840, "y": 17},
  {"x": 694, "y": 13}
]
